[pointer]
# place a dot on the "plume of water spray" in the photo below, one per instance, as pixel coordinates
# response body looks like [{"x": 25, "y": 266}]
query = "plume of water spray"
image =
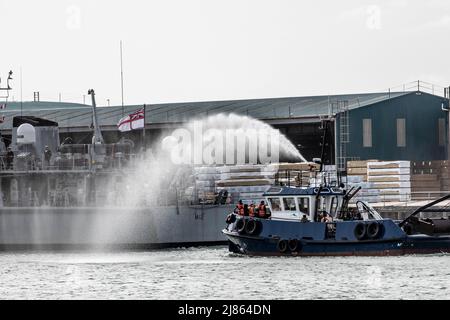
[
  {"x": 239, "y": 124},
  {"x": 156, "y": 177}
]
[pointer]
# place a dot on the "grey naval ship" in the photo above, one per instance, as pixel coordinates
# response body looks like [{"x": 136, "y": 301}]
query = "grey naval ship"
[{"x": 59, "y": 195}]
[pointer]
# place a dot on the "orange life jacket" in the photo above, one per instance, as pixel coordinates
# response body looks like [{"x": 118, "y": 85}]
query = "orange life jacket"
[
  {"x": 262, "y": 210},
  {"x": 240, "y": 209},
  {"x": 251, "y": 211}
]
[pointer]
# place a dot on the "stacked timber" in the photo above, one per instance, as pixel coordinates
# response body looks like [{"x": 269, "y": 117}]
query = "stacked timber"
[
  {"x": 204, "y": 184},
  {"x": 381, "y": 181},
  {"x": 429, "y": 177},
  {"x": 245, "y": 181},
  {"x": 252, "y": 181},
  {"x": 389, "y": 180},
  {"x": 356, "y": 172},
  {"x": 357, "y": 177}
]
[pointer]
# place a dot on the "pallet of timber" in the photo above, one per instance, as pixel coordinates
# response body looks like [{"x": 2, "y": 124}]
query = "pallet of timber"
[
  {"x": 389, "y": 178},
  {"x": 359, "y": 163},
  {"x": 425, "y": 184},
  {"x": 388, "y": 165},
  {"x": 356, "y": 164},
  {"x": 301, "y": 166},
  {"x": 440, "y": 163},
  {"x": 250, "y": 177},
  {"x": 356, "y": 179},
  {"x": 392, "y": 191},
  {"x": 391, "y": 185},
  {"x": 356, "y": 171},
  {"x": 424, "y": 177},
  {"x": 386, "y": 172},
  {"x": 242, "y": 183}
]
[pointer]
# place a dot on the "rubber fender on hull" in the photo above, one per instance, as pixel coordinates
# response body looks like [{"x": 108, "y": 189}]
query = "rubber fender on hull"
[
  {"x": 374, "y": 230},
  {"x": 282, "y": 246},
  {"x": 360, "y": 231},
  {"x": 240, "y": 226},
  {"x": 408, "y": 229},
  {"x": 253, "y": 227},
  {"x": 294, "y": 245},
  {"x": 231, "y": 218}
]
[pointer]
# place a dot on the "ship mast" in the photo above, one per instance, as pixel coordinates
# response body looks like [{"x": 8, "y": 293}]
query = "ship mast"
[{"x": 98, "y": 137}]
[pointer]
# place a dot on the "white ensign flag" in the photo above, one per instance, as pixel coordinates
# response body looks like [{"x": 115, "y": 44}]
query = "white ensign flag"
[{"x": 133, "y": 121}]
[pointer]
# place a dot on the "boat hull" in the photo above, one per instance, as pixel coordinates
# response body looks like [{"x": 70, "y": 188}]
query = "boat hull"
[
  {"x": 410, "y": 245},
  {"x": 111, "y": 228},
  {"x": 341, "y": 238}
]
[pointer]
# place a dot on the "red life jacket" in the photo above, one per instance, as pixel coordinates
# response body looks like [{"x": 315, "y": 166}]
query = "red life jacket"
[
  {"x": 262, "y": 210},
  {"x": 251, "y": 211},
  {"x": 240, "y": 209}
]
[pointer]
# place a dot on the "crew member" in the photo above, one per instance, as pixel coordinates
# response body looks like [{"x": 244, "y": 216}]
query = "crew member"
[
  {"x": 9, "y": 159},
  {"x": 47, "y": 156},
  {"x": 326, "y": 218},
  {"x": 262, "y": 210},
  {"x": 240, "y": 208},
  {"x": 251, "y": 210}
]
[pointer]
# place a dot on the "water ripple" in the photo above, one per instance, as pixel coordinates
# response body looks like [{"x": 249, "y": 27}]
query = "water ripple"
[{"x": 213, "y": 273}]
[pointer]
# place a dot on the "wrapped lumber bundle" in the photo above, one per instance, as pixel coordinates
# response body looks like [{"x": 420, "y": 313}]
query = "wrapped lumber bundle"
[{"x": 391, "y": 180}]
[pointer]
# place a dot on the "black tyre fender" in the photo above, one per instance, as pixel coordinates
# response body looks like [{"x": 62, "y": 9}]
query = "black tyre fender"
[
  {"x": 360, "y": 231},
  {"x": 374, "y": 230},
  {"x": 240, "y": 226},
  {"x": 231, "y": 218},
  {"x": 294, "y": 245},
  {"x": 253, "y": 227},
  {"x": 282, "y": 246}
]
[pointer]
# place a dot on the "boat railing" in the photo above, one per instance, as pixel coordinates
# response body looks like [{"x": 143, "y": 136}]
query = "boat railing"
[
  {"x": 66, "y": 162},
  {"x": 404, "y": 199}
]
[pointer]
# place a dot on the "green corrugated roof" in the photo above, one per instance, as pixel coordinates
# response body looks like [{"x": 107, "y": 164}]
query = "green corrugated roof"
[{"x": 79, "y": 115}]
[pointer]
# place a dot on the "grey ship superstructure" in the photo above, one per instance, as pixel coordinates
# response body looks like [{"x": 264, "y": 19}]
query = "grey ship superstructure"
[{"x": 71, "y": 199}]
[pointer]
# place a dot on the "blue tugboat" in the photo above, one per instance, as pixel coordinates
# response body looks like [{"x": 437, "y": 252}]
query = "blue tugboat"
[{"x": 318, "y": 221}]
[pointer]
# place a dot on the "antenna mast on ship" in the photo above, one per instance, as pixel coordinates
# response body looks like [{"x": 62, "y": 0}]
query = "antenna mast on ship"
[{"x": 98, "y": 137}]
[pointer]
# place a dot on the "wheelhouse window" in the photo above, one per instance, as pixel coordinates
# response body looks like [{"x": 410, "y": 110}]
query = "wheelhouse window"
[
  {"x": 275, "y": 203},
  {"x": 289, "y": 204},
  {"x": 303, "y": 205}
]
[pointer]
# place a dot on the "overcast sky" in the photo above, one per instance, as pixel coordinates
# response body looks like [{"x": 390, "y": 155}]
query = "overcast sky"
[{"x": 200, "y": 50}]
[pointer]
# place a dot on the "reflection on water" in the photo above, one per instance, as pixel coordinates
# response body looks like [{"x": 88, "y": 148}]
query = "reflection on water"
[{"x": 213, "y": 273}]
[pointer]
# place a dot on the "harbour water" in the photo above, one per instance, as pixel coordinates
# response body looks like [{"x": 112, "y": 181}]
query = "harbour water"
[{"x": 214, "y": 273}]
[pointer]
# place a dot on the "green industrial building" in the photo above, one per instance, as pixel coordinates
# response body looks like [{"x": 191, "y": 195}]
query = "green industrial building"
[{"x": 410, "y": 125}]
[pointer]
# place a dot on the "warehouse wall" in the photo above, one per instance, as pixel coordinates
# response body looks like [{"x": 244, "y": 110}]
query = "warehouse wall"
[{"x": 421, "y": 112}]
